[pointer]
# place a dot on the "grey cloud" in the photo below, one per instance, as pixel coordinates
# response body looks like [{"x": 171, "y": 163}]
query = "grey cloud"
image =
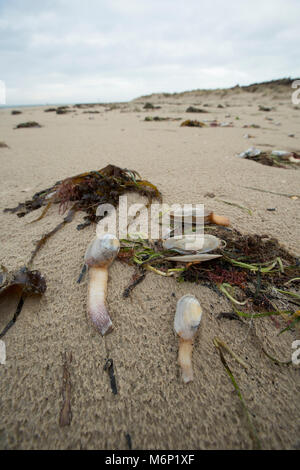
[{"x": 116, "y": 49}]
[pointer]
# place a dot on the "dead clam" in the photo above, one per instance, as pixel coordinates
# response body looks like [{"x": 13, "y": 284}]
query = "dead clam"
[
  {"x": 195, "y": 215},
  {"x": 186, "y": 322},
  {"x": 99, "y": 255}
]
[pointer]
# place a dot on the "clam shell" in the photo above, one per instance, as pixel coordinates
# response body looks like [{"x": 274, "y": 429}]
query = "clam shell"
[
  {"x": 191, "y": 243},
  {"x": 102, "y": 251},
  {"x": 191, "y": 216},
  {"x": 192, "y": 258},
  {"x": 187, "y": 317}
]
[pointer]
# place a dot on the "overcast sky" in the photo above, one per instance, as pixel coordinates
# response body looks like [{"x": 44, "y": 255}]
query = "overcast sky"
[{"x": 58, "y": 51}]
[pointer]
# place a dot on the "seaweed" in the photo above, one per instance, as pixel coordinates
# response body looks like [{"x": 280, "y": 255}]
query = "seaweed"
[
  {"x": 137, "y": 278},
  {"x": 193, "y": 109},
  {"x": 191, "y": 123},
  {"x": 219, "y": 346},
  {"x": 158, "y": 118},
  {"x": 85, "y": 192},
  {"x": 23, "y": 282},
  {"x": 3, "y": 145},
  {"x": 109, "y": 366},
  {"x": 151, "y": 106},
  {"x": 15, "y": 112},
  {"x": 271, "y": 159},
  {"x": 250, "y": 272},
  {"x": 28, "y": 124}
]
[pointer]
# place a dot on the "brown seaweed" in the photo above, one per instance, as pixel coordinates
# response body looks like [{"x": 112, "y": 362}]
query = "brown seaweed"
[
  {"x": 24, "y": 125},
  {"x": 269, "y": 159},
  {"x": 23, "y": 282},
  {"x": 191, "y": 123},
  {"x": 86, "y": 192},
  {"x": 193, "y": 109},
  {"x": 137, "y": 278},
  {"x": 151, "y": 106}
]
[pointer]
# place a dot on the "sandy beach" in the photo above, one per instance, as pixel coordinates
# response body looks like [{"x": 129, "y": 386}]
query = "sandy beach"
[{"x": 152, "y": 405}]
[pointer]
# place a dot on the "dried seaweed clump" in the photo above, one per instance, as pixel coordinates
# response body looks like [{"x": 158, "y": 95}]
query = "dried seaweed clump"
[
  {"x": 24, "y": 125},
  {"x": 193, "y": 109},
  {"x": 191, "y": 123},
  {"x": 281, "y": 161},
  {"x": 85, "y": 192}
]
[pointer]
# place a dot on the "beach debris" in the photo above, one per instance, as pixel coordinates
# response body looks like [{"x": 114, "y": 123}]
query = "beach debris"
[
  {"x": 28, "y": 124},
  {"x": 279, "y": 158},
  {"x": 99, "y": 255},
  {"x": 193, "y": 258},
  {"x": 3, "y": 145},
  {"x": 151, "y": 106},
  {"x": 22, "y": 282},
  {"x": 216, "y": 123},
  {"x": 186, "y": 322},
  {"x": 251, "y": 126},
  {"x": 82, "y": 273},
  {"x": 65, "y": 417},
  {"x": 109, "y": 366},
  {"x": 16, "y": 112},
  {"x": 62, "y": 111},
  {"x": 91, "y": 112},
  {"x": 191, "y": 123},
  {"x": 191, "y": 243},
  {"x": 137, "y": 278},
  {"x": 243, "y": 208},
  {"x": 193, "y": 109},
  {"x": 291, "y": 135},
  {"x": 129, "y": 441},
  {"x": 85, "y": 192},
  {"x": 220, "y": 345},
  {"x": 50, "y": 110},
  {"x": 290, "y": 196},
  {"x": 193, "y": 215},
  {"x": 158, "y": 118},
  {"x": 264, "y": 108},
  {"x": 258, "y": 266},
  {"x": 251, "y": 152}
]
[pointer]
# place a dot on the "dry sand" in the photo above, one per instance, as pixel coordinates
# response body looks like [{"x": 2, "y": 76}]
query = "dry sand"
[{"x": 153, "y": 405}]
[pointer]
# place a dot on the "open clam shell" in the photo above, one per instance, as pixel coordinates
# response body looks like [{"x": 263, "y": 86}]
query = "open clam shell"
[{"x": 188, "y": 244}]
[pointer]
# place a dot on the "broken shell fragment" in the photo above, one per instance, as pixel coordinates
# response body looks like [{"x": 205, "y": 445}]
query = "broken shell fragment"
[
  {"x": 187, "y": 320},
  {"x": 99, "y": 255}
]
